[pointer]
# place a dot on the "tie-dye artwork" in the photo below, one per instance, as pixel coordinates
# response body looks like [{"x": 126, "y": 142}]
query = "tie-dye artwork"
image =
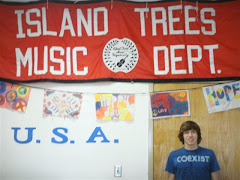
[
  {"x": 222, "y": 97},
  {"x": 115, "y": 106},
  {"x": 62, "y": 104},
  {"x": 168, "y": 104},
  {"x": 13, "y": 96}
]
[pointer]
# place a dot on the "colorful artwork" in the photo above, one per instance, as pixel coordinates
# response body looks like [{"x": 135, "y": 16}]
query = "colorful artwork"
[
  {"x": 172, "y": 103},
  {"x": 222, "y": 97},
  {"x": 13, "y": 96},
  {"x": 62, "y": 104},
  {"x": 115, "y": 106}
]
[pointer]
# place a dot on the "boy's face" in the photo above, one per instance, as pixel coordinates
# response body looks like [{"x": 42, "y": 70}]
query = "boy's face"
[{"x": 190, "y": 137}]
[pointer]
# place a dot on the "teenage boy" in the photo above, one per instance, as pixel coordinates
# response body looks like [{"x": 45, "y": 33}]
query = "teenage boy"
[{"x": 192, "y": 162}]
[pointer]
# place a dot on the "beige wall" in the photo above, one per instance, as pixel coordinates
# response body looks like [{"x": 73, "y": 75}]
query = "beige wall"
[{"x": 220, "y": 132}]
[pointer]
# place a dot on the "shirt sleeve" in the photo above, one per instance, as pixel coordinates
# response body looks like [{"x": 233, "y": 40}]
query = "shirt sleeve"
[
  {"x": 214, "y": 163},
  {"x": 170, "y": 167}
]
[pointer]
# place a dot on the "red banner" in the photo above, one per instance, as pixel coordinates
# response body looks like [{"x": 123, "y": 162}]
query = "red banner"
[{"x": 120, "y": 41}]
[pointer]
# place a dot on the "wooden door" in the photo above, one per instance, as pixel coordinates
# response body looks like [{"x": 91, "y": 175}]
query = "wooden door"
[{"x": 220, "y": 132}]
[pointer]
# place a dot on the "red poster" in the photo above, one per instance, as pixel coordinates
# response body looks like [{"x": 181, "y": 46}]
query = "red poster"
[{"x": 80, "y": 41}]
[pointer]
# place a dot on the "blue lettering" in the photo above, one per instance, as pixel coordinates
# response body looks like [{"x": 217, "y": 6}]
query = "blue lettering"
[
  {"x": 97, "y": 133},
  {"x": 29, "y": 136},
  {"x": 57, "y": 133}
]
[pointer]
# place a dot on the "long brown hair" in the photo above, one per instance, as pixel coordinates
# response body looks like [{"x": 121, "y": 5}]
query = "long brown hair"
[{"x": 188, "y": 125}]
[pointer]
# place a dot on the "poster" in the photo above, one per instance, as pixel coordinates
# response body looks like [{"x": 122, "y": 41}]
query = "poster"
[
  {"x": 170, "y": 104},
  {"x": 14, "y": 96},
  {"x": 222, "y": 97},
  {"x": 62, "y": 104},
  {"x": 115, "y": 106}
]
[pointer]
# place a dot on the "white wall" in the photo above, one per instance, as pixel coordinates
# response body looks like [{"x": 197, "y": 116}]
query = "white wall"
[{"x": 81, "y": 160}]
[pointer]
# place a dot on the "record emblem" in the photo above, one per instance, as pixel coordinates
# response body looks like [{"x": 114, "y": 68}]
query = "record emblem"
[{"x": 120, "y": 55}]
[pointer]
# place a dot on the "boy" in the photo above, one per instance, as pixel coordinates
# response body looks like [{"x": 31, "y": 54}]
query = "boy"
[{"x": 192, "y": 162}]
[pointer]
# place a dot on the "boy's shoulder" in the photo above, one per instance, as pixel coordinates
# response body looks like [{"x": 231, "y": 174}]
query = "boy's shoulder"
[{"x": 177, "y": 151}]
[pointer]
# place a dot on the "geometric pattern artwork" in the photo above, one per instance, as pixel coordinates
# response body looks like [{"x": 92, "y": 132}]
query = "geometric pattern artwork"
[
  {"x": 115, "y": 106},
  {"x": 171, "y": 103},
  {"x": 13, "y": 96},
  {"x": 62, "y": 104}
]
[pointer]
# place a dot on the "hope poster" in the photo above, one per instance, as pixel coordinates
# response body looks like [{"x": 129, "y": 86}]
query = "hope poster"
[{"x": 222, "y": 97}]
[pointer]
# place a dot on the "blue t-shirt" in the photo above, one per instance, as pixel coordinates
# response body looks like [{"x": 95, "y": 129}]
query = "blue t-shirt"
[{"x": 192, "y": 164}]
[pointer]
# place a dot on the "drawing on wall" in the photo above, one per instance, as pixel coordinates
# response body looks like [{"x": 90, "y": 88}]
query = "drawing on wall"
[
  {"x": 62, "y": 104},
  {"x": 115, "y": 106},
  {"x": 222, "y": 97},
  {"x": 13, "y": 96},
  {"x": 168, "y": 104}
]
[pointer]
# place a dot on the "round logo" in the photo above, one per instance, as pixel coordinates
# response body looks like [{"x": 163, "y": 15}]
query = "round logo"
[
  {"x": 2, "y": 100},
  {"x": 120, "y": 55},
  {"x": 11, "y": 96},
  {"x": 20, "y": 105},
  {"x": 22, "y": 91},
  {"x": 2, "y": 87}
]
